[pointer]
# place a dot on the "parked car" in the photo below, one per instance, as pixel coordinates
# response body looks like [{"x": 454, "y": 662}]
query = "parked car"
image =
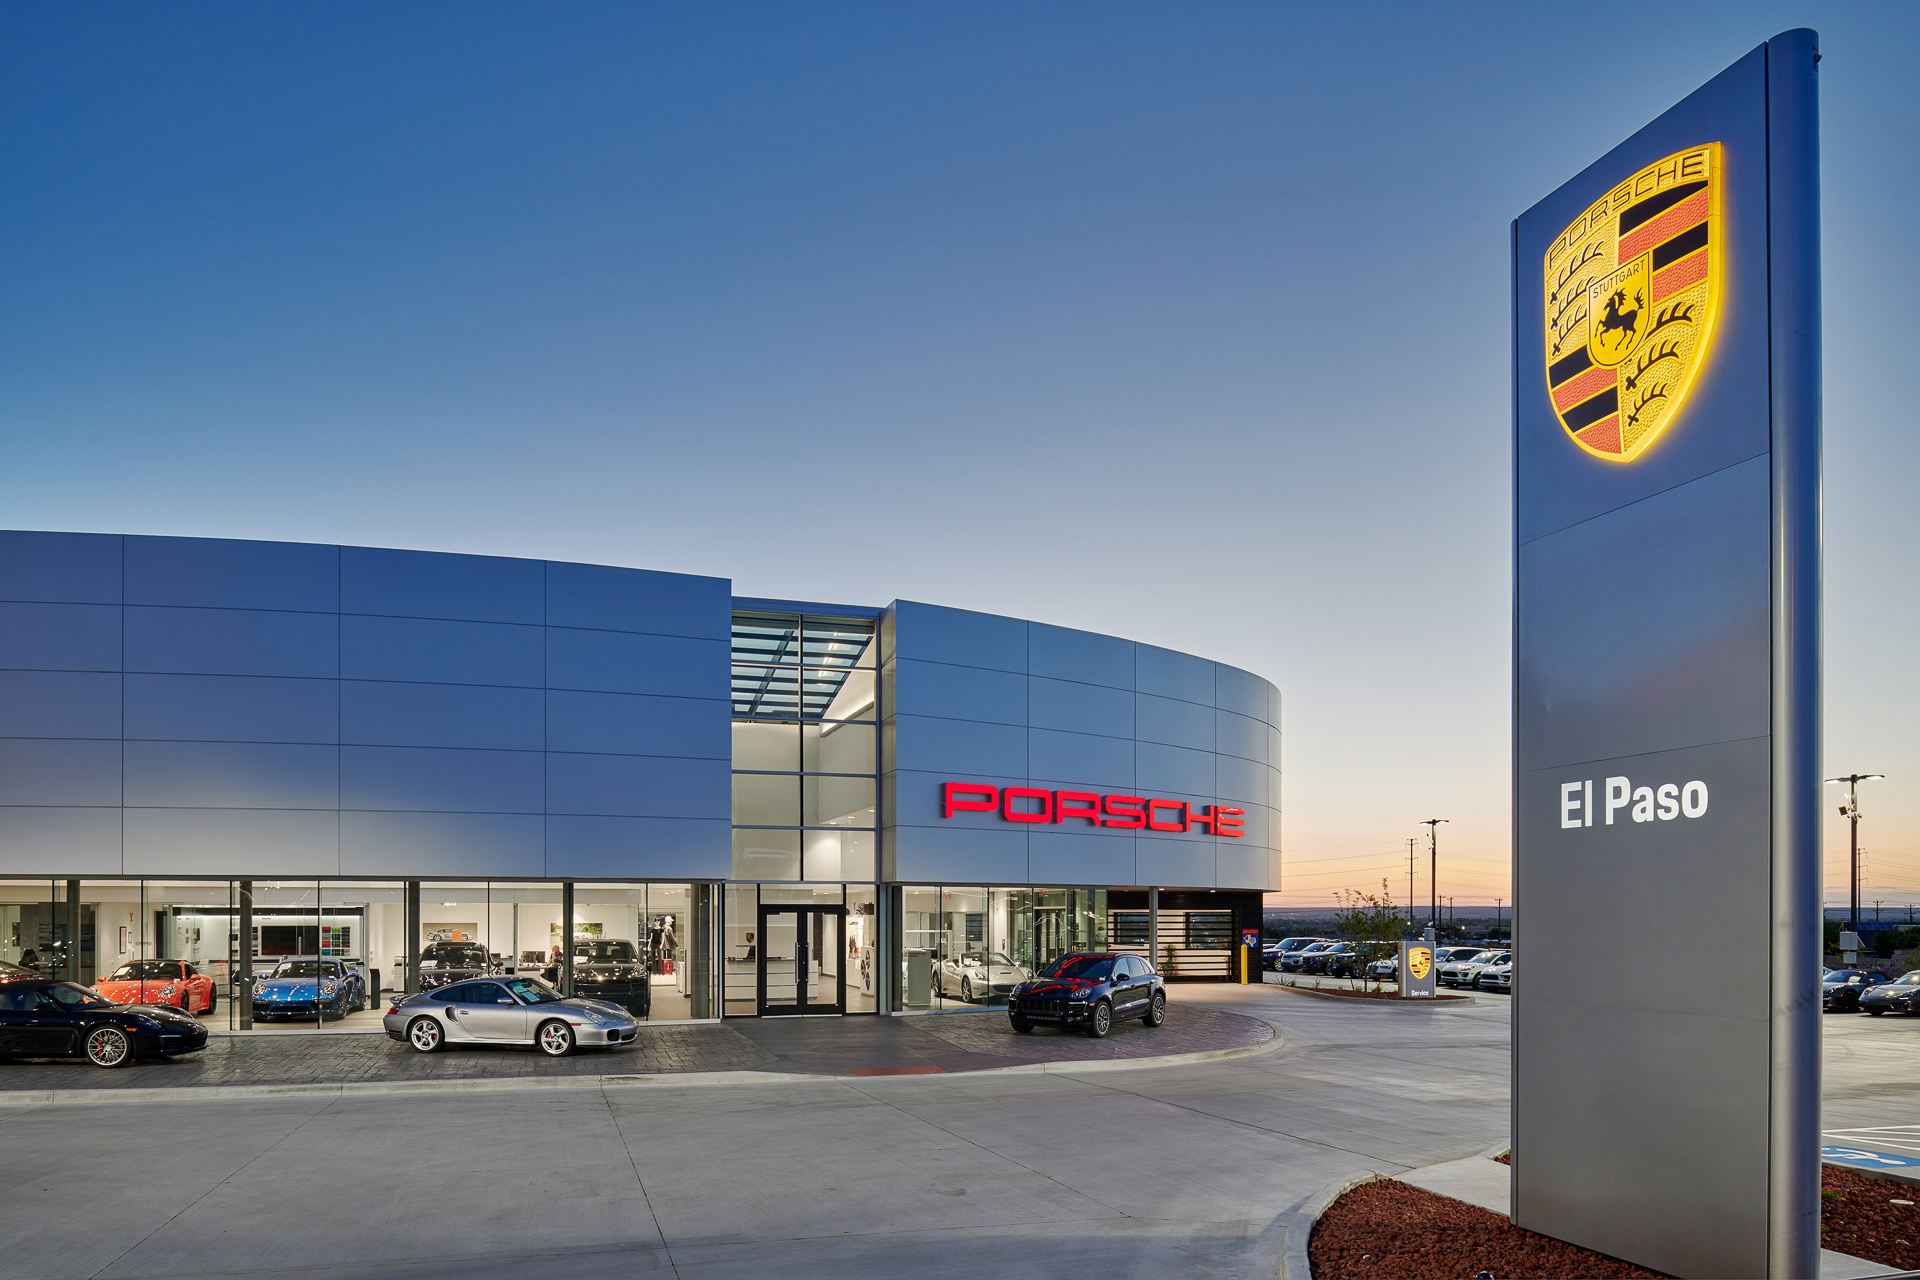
[
  {"x": 1840, "y": 991},
  {"x": 444, "y": 962},
  {"x": 1387, "y": 970},
  {"x": 41, "y": 1018},
  {"x": 507, "y": 1010},
  {"x": 173, "y": 982},
  {"x": 1342, "y": 961},
  {"x": 1461, "y": 973},
  {"x": 309, "y": 989},
  {"x": 1089, "y": 990},
  {"x": 1497, "y": 976},
  {"x": 1902, "y": 995},
  {"x": 608, "y": 969},
  {"x": 978, "y": 976},
  {"x": 1296, "y": 961},
  {"x": 1278, "y": 951}
]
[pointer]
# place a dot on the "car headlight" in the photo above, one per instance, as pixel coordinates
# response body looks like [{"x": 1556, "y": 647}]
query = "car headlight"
[
  {"x": 328, "y": 987},
  {"x": 259, "y": 988},
  {"x": 167, "y": 990},
  {"x": 595, "y": 1018},
  {"x": 145, "y": 1021}
]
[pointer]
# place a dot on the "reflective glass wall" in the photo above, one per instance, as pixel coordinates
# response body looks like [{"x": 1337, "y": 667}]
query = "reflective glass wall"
[
  {"x": 964, "y": 947},
  {"x": 805, "y": 748}
]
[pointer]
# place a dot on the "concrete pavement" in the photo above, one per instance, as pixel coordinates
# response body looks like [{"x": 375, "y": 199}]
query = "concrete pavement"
[
  {"x": 1170, "y": 1171},
  {"x": 1150, "y": 1172}
]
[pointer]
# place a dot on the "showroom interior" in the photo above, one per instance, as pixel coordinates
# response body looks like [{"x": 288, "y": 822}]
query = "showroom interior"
[{"x": 236, "y": 756}]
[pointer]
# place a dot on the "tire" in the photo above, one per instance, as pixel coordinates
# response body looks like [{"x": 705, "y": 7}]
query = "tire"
[
  {"x": 966, "y": 990},
  {"x": 1021, "y": 1025},
  {"x": 213, "y": 1002},
  {"x": 1101, "y": 1023},
  {"x": 1156, "y": 1010},
  {"x": 555, "y": 1038},
  {"x": 426, "y": 1035},
  {"x": 109, "y": 1047}
]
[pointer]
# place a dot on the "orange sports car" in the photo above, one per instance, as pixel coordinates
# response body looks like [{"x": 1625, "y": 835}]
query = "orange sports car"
[{"x": 173, "y": 982}]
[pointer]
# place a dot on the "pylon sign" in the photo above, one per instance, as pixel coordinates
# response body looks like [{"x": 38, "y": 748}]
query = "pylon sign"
[{"x": 1666, "y": 683}]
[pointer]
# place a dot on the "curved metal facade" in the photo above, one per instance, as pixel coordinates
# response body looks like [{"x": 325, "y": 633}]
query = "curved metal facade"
[{"x": 212, "y": 707}]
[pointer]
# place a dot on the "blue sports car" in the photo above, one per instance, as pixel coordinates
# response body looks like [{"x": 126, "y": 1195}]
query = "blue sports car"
[{"x": 309, "y": 989}]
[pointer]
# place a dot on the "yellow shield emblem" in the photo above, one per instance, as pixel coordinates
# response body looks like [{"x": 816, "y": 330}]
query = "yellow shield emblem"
[
  {"x": 1632, "y": 289},
  {"x": 1419, "y": 961}
]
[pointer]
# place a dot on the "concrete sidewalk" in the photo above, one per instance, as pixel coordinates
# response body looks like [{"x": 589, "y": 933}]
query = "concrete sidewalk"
[{"x": 938, "y": 1043}]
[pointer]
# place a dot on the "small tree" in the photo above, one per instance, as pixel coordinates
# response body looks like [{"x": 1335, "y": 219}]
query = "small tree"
[{"x": 1371, "y": 922}]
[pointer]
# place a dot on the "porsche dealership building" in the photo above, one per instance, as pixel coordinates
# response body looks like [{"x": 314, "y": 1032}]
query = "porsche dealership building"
[{"x": 231, "y": 753}]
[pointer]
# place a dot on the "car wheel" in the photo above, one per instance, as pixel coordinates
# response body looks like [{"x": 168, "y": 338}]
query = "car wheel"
[
  {"x": 108, "y": 1047},
  {"x": 966, "y": 990},
  {"x": 1156, "y": 1010},
  {"x": 555, "y": 1038},
  {"x": 1101, "y": 1022},
  {"x": 425, "y": 1034},
  {"x": 213, "y": 1002},
  {"x": 1021, "y": 1025}
]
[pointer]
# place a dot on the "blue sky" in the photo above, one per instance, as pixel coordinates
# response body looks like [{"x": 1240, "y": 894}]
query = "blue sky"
[{"x": 1181, "y": 322}]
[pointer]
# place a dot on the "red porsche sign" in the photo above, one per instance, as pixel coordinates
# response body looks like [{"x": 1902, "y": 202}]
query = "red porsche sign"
[{"x": 1031, "y": 804}]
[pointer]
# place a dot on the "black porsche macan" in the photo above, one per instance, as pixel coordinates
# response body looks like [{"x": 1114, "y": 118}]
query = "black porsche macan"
[
  {"x": 41, "y": 1018},
  {"x": 1089, "y": 991}
]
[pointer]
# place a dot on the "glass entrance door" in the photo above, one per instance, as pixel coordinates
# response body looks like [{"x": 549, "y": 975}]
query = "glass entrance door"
[{"x": 803, "y": 960}]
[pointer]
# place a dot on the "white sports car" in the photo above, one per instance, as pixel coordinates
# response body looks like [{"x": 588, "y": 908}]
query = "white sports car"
[{"x": 979, "y": 976}]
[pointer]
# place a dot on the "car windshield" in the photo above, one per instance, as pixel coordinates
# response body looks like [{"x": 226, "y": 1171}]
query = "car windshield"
[
  {"x": 1486, "y": 957},
  {"x": 456, "y": 955},
  {"x": 146, "y": 969},
  {"x": 1079, "y": 967},
  {"x": 604, "y": 952},
  {"x": 307, "y": 969},
  {"x": 76, "y": 996},
  {"x": 532, "y": 990}
]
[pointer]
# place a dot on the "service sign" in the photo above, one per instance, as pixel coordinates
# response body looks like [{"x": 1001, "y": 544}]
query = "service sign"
[
  {"x": 1666, "y": 675},
  {"x": 1418, "y": 980}
]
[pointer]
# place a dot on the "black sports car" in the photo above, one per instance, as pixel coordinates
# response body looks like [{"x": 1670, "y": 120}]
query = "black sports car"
[
  {"x": 41, "y": 1018},
  {"x": 1840, "y": 991},
  {"x": 1902, "y": 995},
  {"x": 1089, "y": 990},
  {"x": 609, "y": 969}
]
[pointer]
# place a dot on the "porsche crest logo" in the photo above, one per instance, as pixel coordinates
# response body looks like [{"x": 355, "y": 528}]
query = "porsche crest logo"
[
  {"x": 1632, "y": 288},
  {"x": 1419, "y": 961}
]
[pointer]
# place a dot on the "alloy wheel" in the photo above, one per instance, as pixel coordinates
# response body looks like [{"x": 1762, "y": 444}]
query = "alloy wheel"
[
  {"x": 556, "y": 1039},
  {"x": 424, "y": 1034},
  {"x": 107, "y": 1046}
]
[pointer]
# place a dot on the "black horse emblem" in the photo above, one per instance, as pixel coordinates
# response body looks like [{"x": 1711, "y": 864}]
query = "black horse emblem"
[{"x": 1625, "y": 324}]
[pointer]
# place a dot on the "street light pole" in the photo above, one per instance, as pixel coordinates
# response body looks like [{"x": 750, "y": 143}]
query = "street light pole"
[
  {"x": 1433, "y": 851},
  {"x": 1851, "y": 812},
  {"x": 1409, "y": 882}
]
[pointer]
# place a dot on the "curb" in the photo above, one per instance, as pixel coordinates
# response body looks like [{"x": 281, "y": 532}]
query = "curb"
[
  {"x": 530, "y": 1084},
  {"x": 1448, "y": 1000},
  {"x": 1294, "y": 1263}
]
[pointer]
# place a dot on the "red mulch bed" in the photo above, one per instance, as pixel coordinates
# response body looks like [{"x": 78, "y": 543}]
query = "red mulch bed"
[
  {"x": 1857, "y": 1217},
  {"x": 1505, "y": 1157},
  {"x": 1387, "y": 1230}
]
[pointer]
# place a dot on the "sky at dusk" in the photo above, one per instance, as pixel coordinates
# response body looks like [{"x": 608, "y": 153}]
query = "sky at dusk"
[{"x": 1186, "y": 323}]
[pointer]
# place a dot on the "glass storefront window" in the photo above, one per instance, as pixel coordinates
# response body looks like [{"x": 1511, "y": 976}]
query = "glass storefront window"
[
  {"x": 766, "y": 745},
  {"x": 838, "y": 855},
  {"x": 835, "y": 747},
  {"x": 863, "y": 949},
  {"x": 765, "y": 855},
  {"x": 829, "y": 801},
  {"x": 964, "y": 947},
  {"x": 766, "y": 800}
]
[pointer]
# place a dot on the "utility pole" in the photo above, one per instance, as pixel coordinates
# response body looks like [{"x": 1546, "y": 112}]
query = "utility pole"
[
  {"x": 1876, "y": 911},
  {"x": 1409, "y": 882},
  {"x": 1433, "y": 852},
  {"x": 1851, "y": 812},
  {"x": 1497, "y": 904}
]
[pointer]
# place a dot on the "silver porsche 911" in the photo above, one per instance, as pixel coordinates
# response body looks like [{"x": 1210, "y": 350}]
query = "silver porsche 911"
[{"x": 511, "y": 1010}]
